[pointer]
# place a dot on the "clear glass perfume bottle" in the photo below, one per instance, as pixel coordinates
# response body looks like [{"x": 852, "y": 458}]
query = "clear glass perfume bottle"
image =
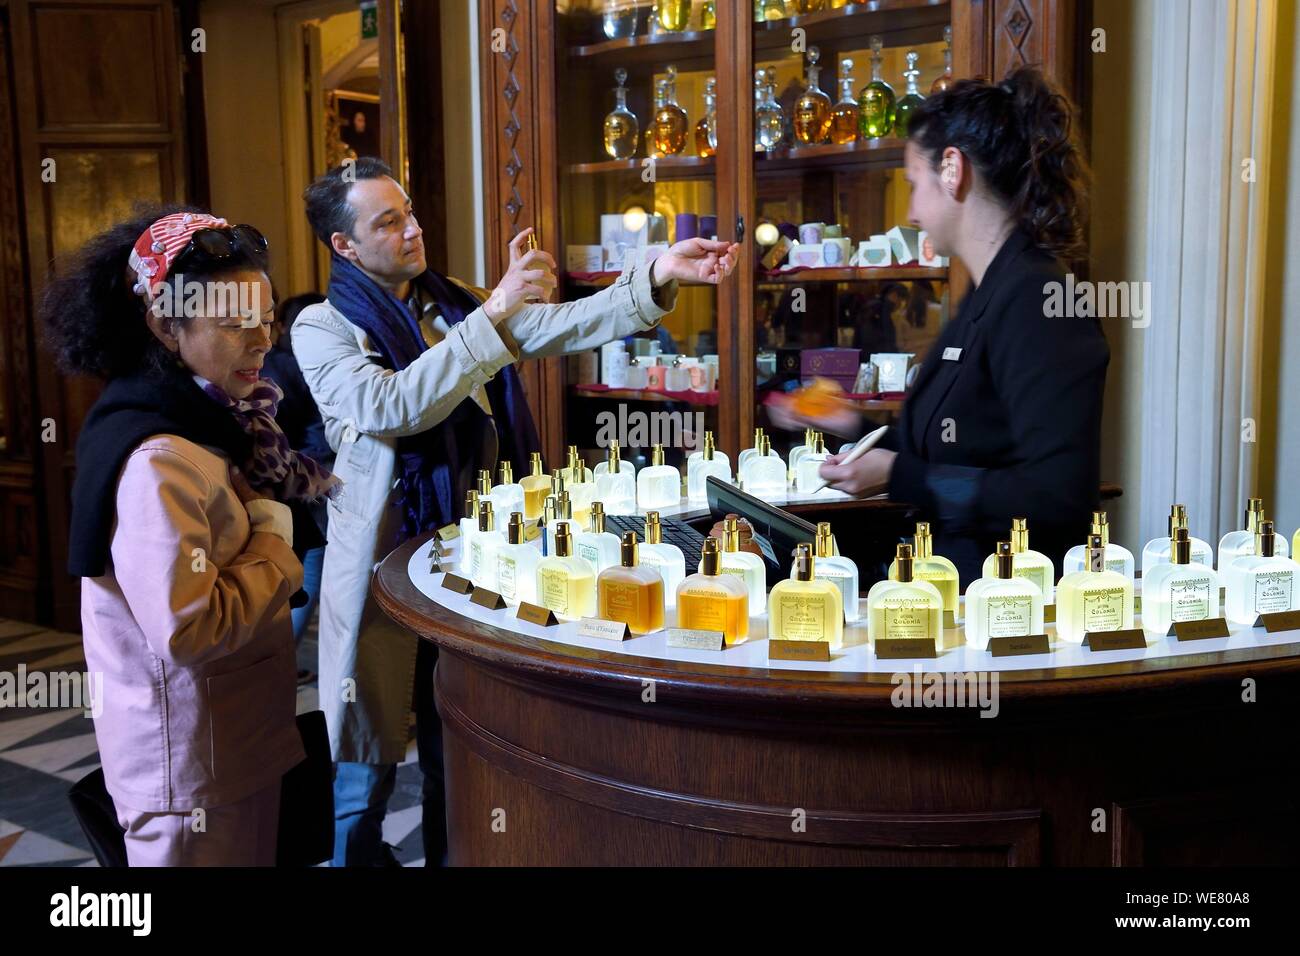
[
  {"x": 631, "y": 592},
  {"x": 706, "y": 130},
  {"x": 750, "y": 452},
  {"x": 1003, "y": 605},
  {"x": 565, "y": 583},
  {"x": 1261, "y": 583},
  {"x": 660, "y": 485},
  {"x": 507, "y": 496},
  {"x": 517, "y": 562},
  {"x": 708, "y": 15},
  {"x": 1027, "y": 563},
  {"x": 596, "y": 546},
  {"x": 713, "y": 601},
  {"x": 1234, "y": 544},
  {"x": 798, "y": 451},
  {"x": 704, "y": 463},
  {"x": 621, "y": 126},
  {"x": 944, "y": 79},
  {"x": 483, "y": 552},
  {"x": 468, "y": 528},
  {"x": 1178, "y": 591},
  {"x": 1118, "y": 558},
  {"x": 1156, "y": 550},
  {"x": 844, "y": 114},
  {"x": 665, "y": 558},
  {"x": 745, "y": 565},
  {"x": 1093, "y": 599},
  {"x": 765, "y": 474},
  {"x": 904, "y": 607},
  {"x": 812, "y": 111},
  {"x": 838, "y": 570},
  {"x": 938, "y": 570},
  {"x": 674, "y": 15},
  {"x": 619, "y": 20},
  {"x": 911, "y": 98},
  {"x": 536, "y": 487},
  {"x": 769, "y": 122},
  {"x": 876, "y": 101},
  {"x": 670, "y": 119},
  {"x": 805, "y": 607},
  {"x": 807, "y": 476},
  {"x": 773, "y": 10},
  {"x": 616, "y": 482}
]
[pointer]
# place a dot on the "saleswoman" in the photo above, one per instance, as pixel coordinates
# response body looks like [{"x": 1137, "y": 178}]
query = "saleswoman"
[{"x": 1005, "y": 417}]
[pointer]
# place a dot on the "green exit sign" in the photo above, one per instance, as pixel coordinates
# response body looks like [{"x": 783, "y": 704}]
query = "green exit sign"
[{"x": 369, "y": 20}]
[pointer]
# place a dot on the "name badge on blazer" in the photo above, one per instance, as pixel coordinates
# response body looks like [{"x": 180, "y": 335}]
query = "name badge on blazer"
[{"x": 952, "y": 354}]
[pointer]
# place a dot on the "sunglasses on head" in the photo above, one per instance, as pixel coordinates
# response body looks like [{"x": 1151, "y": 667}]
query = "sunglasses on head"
[{"x": 223, "y": 243}]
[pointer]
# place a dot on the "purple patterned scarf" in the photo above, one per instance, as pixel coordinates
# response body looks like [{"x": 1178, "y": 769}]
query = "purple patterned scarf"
[{"x": 275, "y": 468}]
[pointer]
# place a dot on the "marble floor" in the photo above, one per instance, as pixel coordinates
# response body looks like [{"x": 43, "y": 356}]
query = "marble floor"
[{"x": 45, "y": 750}]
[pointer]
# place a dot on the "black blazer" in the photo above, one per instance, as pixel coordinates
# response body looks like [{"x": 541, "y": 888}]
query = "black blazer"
[{"x": 1004, "y": 419}]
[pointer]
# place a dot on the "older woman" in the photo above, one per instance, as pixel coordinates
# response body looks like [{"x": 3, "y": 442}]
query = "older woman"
[{"x": 181, "y": 533}]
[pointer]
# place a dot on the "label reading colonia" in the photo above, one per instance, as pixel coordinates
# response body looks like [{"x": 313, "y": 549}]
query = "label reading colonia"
[
  {"x": 801, "y": 617},
  {"x": 1009, "y": 616},
  {"x": 1273, "y": 591},
  {"x": 1189, "y": 600},
  {"x": 1103, "y": 609}
]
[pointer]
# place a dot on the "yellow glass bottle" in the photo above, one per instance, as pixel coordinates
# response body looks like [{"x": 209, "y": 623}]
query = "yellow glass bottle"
[
  {"x": 536, "y": 487},
  {"x": 812, "y": 111},
  {"x": 806, "y": 608},
  {"x": 674, "y": 15},
  {"x": 565, "y": 583},
  {"x": 712, "y": 601},
  {"x": 844, "y": 114},
  {"x": 630, "y": 592},
  {"x": 904, "y": 607},
  {"x": 669, "y": 124},
  {"x": 938, "y": 570}
]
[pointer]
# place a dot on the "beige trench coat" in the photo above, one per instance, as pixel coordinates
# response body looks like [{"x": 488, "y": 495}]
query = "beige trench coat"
[{"x": 367, "y": 662}]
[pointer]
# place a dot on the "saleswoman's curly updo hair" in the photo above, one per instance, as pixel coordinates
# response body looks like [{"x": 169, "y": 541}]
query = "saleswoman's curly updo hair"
[
  {"x": 91, "y": 321},
  {"x": 1020, "y": 136}
]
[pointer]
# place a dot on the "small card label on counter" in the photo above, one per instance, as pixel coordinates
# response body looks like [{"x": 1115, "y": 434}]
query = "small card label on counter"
[
  {"x": 488, "y": 599},
  {"x": 899, "y": 648},
  {"x": 541, "y": 616},
  {"x": 605, "y": 630},
  {"x": 1279, "y": 621},
  {"x": 778, "y": 650},
  {"x": 695, "y": 639},
  {"x": 1015, "y": 646},
  {"x": 1127, "y": 639},
  {"x": 1199, "y": 630},
  {"x": 454, "y": 582},
  {"x": 449, "y": 532}
]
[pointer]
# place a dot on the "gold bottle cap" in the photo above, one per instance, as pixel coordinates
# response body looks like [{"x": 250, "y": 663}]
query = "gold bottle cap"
[
  {"x": 1180, "y": 551},
  {"x": 731, "y": 533},
  {"x": 563, "y": 506},
  {"x": 1254, "y": 513},
  {"x": 558, "y": 481},
  {"x": 1003, "y": 561},
  {"x": 484, "y": 483},
  {"x": 627, "y": 550},
  {"x": 818, "y": 443},
  {"x": 573, "y": 456},
  {"x": 808, "y": 436},
  {"x": 657, "y": 455},
  {"x": 1019, "y": 535},
  {"x": 1265, "y": 541},
  {"x": 825, "y": 542},
  {"x": 764, "y": 447},
  {"x": 597, "y": 516},
  {"x": 515, "y": 529},
  {"x": 505, "y": 473},
  {"x": 531, "y": 240},
  {"x": 548, "y": 510},
  {"x": 654, "y": 531},
  {"x": 709, "y": 448},
  {"x": 485, "y": 519},
  {"x": 758, "y": 437},
  {"x": 1101, "y": 526},
  {"x": 803, "y": 562},
  {"x": 1096, "y": 553},
  {"x": 923, "y": 544},
  {"x": 613, "y": 460},
  {"x": 538, "y": 467},
  {"x": 471, "y": 504},
  {"x": 563, "y": 541},
  {"x": 1177, "y": 516},
  {"x": 903, "y": 562},
  {"x": 710, "y": 558}
]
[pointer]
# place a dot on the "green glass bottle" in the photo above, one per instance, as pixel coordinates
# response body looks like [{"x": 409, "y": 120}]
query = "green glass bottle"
[
  {"x": 912, "y": 98},
  {"x": 876, "y": 108}
]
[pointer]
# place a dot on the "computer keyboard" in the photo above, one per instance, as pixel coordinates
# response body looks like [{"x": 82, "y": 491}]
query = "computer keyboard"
[{"x": 672, "y": 531}]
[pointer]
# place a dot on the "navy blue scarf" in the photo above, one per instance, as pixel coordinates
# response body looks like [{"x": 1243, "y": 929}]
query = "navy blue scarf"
[{"x": 432, "y": 460}]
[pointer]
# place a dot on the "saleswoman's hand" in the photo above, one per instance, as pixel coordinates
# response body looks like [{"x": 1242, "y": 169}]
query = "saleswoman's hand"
[
  {"x": 696, "y": 260},
  {"x": 867, "y": 476}
]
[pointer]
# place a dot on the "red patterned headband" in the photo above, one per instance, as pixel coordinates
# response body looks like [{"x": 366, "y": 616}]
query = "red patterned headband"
[{"x": 159, "y": 245}]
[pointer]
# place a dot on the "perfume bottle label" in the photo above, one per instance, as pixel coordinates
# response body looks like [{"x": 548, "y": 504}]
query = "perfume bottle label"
[
  {"x": 702, "y": 610},
  {"x": 1009, "y": 616},
  {"x": 1038, "y": 575},
  {"x": 1273, "y": 591},
  {"x": 475, "y": 559},
  {"x": 506, "y": 577},
  {"x": 1115, "y": 564},
  {"x": 732, "y": 569},
  {"x": 620, "y": 600},
  {"x": 802, "y": 617},
  {"x": 906, "y": 617},
  {"x": 1103, "y": 609},
  {"x": 555, "y": 589},
  {"x": 1189, "y": 599},
  {"x": 589, "y": 553}
]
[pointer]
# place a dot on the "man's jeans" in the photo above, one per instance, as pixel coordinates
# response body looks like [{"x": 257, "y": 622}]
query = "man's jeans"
[{"x": 361, "y": 790}]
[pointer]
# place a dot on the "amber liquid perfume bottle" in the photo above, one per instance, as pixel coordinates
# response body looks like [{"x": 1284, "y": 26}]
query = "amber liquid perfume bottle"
[
  {"x": 805, "y": 607},
  {"x": 844, "y": 114},
  {"x": 706, "y": 130},
  {"x": 630, "y": 592},
  {"x": 536, "y": 487},
  {"x": 812, "y": 111},
  {"x": 621, "y": 127},
  {"x": 670, "y": 123},
  {"x": 945, "y": 78},
  {"x": 712, "y": 601}
]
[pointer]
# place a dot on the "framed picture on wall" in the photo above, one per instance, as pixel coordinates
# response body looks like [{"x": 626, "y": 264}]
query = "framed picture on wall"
[{"x": 357, "y": 118}]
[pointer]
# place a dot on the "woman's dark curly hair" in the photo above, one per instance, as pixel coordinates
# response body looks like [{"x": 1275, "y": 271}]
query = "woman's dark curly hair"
[
  {"x": 94, "y": 324},
  {"x": 1019, "y": 134}
]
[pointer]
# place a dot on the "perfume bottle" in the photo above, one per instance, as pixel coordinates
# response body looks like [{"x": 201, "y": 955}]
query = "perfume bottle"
[
  {"x": 706, "y": 130},
  {"x": 468, "y": 528},
  {"x": 765, "y": 474},
  {"x": 565, "y": 583},
  {"x": 911, "y": 97},
  {"x": 507, "y": 497},
  {"x": 576, "y": 470},
  {"x": 616, "y": 483},
  {"x": 631, "y": 592},
  {"x": 1178, "y": 591},
  {"x": 1093, "y": 599},
  {"x": 748, "y": 453},
  {"x": 903, "y": 607},
  {"x": 704, "y": 463},
  {"x": 838, "y": 570},
  {"x": 807, "y": 475},
  {"x": 536, "y": 487},
  {"x": 1234, "y": 544},
  {"x": 944, "y": 79},
  {"x": 621, "y": 127},
  {"x": 744, "y": 565},
  {"x": 665, "y": 558},
  {"x": 619, "y": 20},
  {"x": 773, "y": 10},
  {"x": 1261, "y": 583},
  {"x": 517, "y": 564},
  {"x": 1026, "y": 563},
  {"x": 812, "y": 111},
  {"x": 596, "y": 546},
  {"x": 876, "y": 101},
  {"x": 708, "y": 15},
  {"x": 806, "y": 607},
  {"x": 1118, "y": 558},
  {"x": 563, "y": 518},
  {"x": 798, "y": 451},
  {"x": 670, "y": 119},
  {"x": 1003, "y": 605},
  {"x": 938, "y": 570},
  {"x": 712, "y": 601},
  {"x": 844, "y": 114},
  {"x": 660, "y": 485},
  {"x": 660, "y": 98},
  {"x": 674, "y": 15},
  {"x": 769, "y": 122},
  {"x": 483, "y": 552},
  {"x": 1156, "y": 550}
]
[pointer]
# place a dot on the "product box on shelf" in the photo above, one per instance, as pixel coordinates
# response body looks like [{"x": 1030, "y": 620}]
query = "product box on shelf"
[
  {"x": 892, "y": 369},
  {"x": 875, "y": 253},
  {"x": 903, "y": 241},
  {"x": 837, "y": 364}
]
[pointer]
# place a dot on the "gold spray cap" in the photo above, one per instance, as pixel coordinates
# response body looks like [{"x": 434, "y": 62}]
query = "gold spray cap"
[
  {"x": 764, "y": 446},
  {"x": 1096, "y": 553},
  {"x": 731, "y": 533},
  {"x": 548, "y": 510},
  {"x": 710, "y": 558},
  {"x": 653, "y": 529},
  {"x": 825, "y": 540},
  {"x": 471, "y": 504},
  {"x": 627, "y": 550},
  {"x": 903, "y": 560},
  {"x": 485, "y": 518},
  {"x": 505, "y": 473},
  {"x": 484, "y": 483},
  {"x": 563, "y": 506},
  {"x": 1177, "y": 516},
  {"x": 1101, "y": 526},
  {"x": 538, "y": 467},
  {"x": 1019, "y": 535},
  {"x": 597, "y": 516},
  {"x": 803, "y": 563},
  {"x": 1003, "y": 560},
  {"x": 924, "y": 544},
  {"x": 558, "y": 481},
  {"x": 515, "y": 529},
  {"x": 1254, "y": 513},
  {"x": 818, "y": 443},
  {"x": 709, "y": 447},
  {"x": 1265, "y": 542},
  {"x": 758, "y": 437},
  {"x": 613, "y": 460},
  {"x": 657, "y": 455},
  {"x": 1180, "y": 551},
  {"x": 808, "y": 436},
  {"x": 563, "y": 541}
]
